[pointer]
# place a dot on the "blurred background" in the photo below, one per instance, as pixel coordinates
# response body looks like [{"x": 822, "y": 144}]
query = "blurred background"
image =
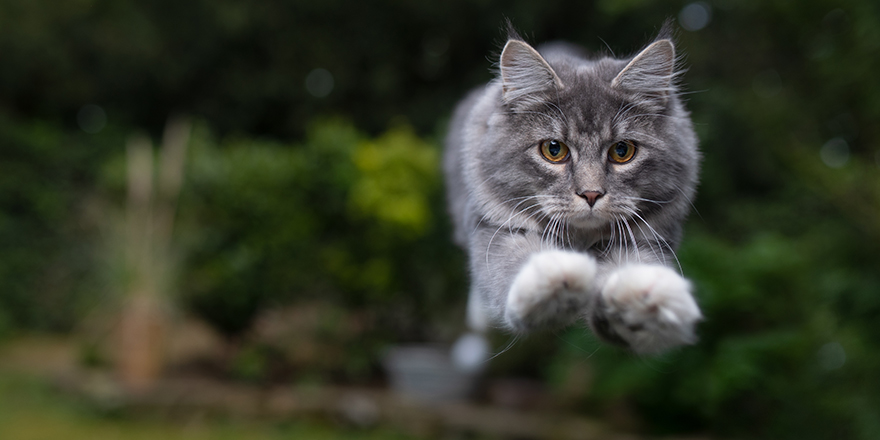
[{"x": 222, "y": 219}]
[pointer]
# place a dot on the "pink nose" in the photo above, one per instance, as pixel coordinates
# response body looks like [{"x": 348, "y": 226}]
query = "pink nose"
[{"x": 591, "y": 196}]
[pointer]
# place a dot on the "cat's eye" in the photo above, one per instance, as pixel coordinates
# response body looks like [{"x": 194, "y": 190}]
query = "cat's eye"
[
  {"x": 554, "y": 151},
  {"x": 622, "y": 152}
]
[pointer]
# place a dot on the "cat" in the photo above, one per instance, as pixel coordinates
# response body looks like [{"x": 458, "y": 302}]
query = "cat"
[{"x": 568, "y": 180}]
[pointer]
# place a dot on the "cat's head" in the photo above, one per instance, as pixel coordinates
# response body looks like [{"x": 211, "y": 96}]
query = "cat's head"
[{"x": 589, "y": 141}]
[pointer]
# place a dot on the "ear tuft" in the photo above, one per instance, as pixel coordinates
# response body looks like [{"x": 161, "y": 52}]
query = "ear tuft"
[
  {"x": 651, "y": 72},
  {"x": 524, "y": 72}
]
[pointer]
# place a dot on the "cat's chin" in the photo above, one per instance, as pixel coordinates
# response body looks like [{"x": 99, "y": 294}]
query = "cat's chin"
[{"x": 589, "y": 220}]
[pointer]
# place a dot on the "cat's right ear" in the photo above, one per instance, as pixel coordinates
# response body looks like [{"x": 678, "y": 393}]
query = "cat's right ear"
[
  {"x": 651, "y": 73},
  {"x": 525, "y": 74}
]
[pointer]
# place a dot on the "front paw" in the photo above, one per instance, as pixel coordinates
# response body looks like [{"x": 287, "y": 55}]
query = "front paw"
[
  {"x": 551, "y": 289},
  {"x": 647, "y": 308}
]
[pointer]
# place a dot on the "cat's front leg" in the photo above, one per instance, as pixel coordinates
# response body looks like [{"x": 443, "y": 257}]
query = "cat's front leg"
[
  {"x": 648, "y": 308},
  {"x": 552, "y": 288}
]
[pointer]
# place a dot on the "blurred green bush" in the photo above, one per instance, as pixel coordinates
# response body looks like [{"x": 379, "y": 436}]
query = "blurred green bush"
[
  {"x": 341, "y": 217},
  {"x": 784, "y": 351},
  {"x": 47, "y": 223}
]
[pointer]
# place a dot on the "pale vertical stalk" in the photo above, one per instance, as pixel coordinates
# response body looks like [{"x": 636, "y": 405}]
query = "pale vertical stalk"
[
  {"x": 174, "y": 146},
  {"x": 139, "y": 161},
  {"x": 136, "y": 361},
  {"x": 149, "y": 223}
]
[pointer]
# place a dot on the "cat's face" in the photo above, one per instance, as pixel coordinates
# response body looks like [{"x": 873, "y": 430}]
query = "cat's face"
[{"x": 587, "y": 152}]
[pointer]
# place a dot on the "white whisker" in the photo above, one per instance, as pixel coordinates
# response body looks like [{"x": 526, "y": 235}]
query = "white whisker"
[
  {"x": 659, "y": 202},
  {"x": 686, "y": 197},
  {"x": 489, "y": 246},
  {"x": 622, "y": 112},
  {"x": 650, "y": 242},
  {"x": 661, "y": 242},
  {"x": 622, "y": 248},
  {"x": 635, "y": 244},
  {"x": 510, "y": 344}
]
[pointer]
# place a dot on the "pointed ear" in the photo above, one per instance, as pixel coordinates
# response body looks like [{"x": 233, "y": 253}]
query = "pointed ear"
[
  {"x": 524, "y": 73},
  {"x": 651, "y": 72}
]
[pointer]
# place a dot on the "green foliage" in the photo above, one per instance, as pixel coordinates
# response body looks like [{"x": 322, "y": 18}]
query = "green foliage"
[
  {"x": 398, "y": 172},
  {"x": 341, "y": 216},
  {"x": 45, "y": 219},
  {"x": 778, "y": 356}
]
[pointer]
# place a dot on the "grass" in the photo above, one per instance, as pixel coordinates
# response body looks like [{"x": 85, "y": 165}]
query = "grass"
[{"x": 31, "y": 410}]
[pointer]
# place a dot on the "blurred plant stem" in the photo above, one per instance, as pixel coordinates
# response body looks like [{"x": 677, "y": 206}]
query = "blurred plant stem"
[{"x": 149, "y": 221}]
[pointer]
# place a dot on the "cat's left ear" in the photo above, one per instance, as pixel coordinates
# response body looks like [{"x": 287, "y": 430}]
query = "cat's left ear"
[
  {"x": 525, "y": 74},
  {"x": 650, "y": 73}
]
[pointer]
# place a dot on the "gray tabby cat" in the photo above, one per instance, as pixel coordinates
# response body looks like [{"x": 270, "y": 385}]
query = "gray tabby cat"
[{"x": 568, "y": 181}]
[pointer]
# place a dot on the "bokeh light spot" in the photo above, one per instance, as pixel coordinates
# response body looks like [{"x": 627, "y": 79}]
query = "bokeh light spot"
[
  {"x": 91, "y": 118},
  {"x": 831, "y": 356},
  {"x": 767, "y": 84},
  {"x": 319, "y": 82},
  {"x": 695, "y": 16},
  {"x": 835, "y": 153}
]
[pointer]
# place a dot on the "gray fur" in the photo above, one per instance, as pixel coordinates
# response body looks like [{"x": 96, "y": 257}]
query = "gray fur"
[{"x": 508, "y": 203}]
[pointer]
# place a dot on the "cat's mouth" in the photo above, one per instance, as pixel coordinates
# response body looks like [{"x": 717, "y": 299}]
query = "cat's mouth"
[
  {"x": 580, "y": 216},
  {"x": 589, "y": 218}
]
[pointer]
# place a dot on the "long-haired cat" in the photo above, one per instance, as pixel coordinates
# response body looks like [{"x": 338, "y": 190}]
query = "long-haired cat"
[{"x": 568, "y": 181}]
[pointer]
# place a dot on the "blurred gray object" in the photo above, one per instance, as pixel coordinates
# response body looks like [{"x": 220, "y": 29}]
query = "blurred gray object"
[{"x": 434, "y": 373}]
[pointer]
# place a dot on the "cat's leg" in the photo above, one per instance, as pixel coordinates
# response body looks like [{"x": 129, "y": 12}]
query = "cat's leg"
[
  {"x": 646, "y": 307},
  {"x": 477, "y": 316},
  {"x": 526, "y": 284}
]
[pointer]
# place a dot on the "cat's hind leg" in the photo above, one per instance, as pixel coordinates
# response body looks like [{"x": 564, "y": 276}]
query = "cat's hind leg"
[
  {"x": 478, "y": 319},
  {"x": 552, "y": 288},
  {"x": 648, "y": 308}
]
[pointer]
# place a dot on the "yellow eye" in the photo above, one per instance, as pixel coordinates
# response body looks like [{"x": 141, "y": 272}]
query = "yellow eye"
[
  {"x": 622, "y": 152},
  {"x": 554, "y": 151}
]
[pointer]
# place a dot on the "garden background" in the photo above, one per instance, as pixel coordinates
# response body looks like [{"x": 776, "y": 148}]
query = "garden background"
[{"x": 310, "y": 232}]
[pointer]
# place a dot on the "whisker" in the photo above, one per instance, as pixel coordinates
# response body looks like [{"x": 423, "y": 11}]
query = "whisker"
[
  {"x": 622, "y": 239},
  {"x": 489, "y": 246},
  {"x": 664, "y": 243},
  {"x": 555, "y": 107},
  {"x": 526, "y": 112},
  {"x": 495, "y": 210},
  {"x": 653, "y": 115},
  {"x": 610, "y": 246},
  {"x": 692, "y": 92},
  {"x": 650, "y": 242},
  {"x": 622, "y": 112},
  {"x": 557, "y": 232},
  {"x": 633, "y": 237},
  {"x": 645, "y": 135},
  {"x": 686, "y": 197},
  {"x": 547, "y": 235},
  {"x": 549, "y": 231},
  {"x": 567, "y": 233},
  {"x": 641, "y": 199},
  {"x": 576, "y": 347},
  {"x": 513, "y": 340}
]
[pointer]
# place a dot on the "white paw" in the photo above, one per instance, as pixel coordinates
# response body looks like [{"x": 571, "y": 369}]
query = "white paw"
[
  {"x": 552, "y": 288},
  {"x": 650, "y": 308}
]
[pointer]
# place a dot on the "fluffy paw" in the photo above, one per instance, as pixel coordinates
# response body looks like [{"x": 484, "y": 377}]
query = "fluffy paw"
[
  {"x": 552, "y": 288},
  {"x": 647, "y": 308}
]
